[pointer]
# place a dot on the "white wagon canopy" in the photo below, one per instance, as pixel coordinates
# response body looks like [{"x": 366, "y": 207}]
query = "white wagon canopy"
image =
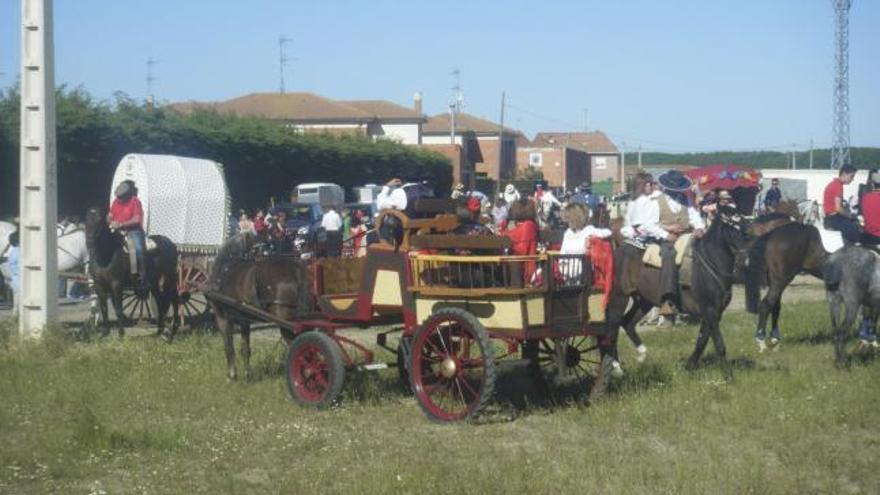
[{"x": 184, "y": 199}]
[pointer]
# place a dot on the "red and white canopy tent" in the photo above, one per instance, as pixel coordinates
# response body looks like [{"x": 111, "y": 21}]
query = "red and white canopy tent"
[{"x": 742, "y": 182}]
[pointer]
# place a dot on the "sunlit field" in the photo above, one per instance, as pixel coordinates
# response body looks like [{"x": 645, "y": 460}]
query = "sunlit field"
[{"x": 141, "y": 416}]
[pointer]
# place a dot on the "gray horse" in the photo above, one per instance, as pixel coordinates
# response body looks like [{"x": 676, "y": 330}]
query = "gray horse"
[{"x": 852, "y": 281}]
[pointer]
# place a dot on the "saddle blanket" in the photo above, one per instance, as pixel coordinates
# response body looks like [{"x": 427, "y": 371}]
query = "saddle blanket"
[{"x": 682, "y": 249}]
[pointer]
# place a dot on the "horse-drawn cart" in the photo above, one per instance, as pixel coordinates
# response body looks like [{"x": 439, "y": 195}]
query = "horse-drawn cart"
[
  {"x": 185, "y": 200},
  {"x": 460, "y": 314}
]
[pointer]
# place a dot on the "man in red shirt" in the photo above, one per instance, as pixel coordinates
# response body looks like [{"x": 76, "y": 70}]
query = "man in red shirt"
[
  {"x": 837, "y": 214},
  {"x": 870, "y": 206},
  {"x": 127, "y": 216}
]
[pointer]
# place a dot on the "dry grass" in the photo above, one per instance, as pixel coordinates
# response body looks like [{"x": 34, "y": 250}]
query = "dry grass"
[{"x": 139, "y": 416}]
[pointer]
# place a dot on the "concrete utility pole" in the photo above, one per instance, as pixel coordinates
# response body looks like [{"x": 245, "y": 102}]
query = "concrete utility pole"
[
  {"x": 840, "y": 141},
  {"x": 811, "y": 154},
  {"x": 640, "y": 157},
  {"x": 150, "y": 80},
  {"x": 501, "y": 171},
  {"x": 38, "y": 187},
  {"x": 623, "y": 166},
  {"x": 452, "y": 123}
]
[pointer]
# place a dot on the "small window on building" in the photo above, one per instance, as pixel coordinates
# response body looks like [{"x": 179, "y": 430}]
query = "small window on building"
[
  {"x": 600, "y": 163},
  {"x": 536, "y": 159}
]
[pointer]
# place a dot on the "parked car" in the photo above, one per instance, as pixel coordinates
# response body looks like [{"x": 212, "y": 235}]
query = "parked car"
[{"x": 303, "y": 223}]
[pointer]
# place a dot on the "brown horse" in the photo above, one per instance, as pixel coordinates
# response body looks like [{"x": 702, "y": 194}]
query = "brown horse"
[
  {"x": 774, "y": 259},
  {"x": 707, "y": 296},
  {"x": 277, "y": 284},
  {"x": 110, "y": 270}
]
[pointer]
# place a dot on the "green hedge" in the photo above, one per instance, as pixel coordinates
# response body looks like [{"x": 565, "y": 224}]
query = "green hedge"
[{"x": 261, "y": 158}]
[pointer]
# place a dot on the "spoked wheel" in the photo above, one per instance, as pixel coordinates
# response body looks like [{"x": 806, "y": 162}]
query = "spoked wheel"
[
  {"x": 452, "y": 366},
  {"x": 315, "y": 370},
  {"x": 565, "y": 361},
  {"x": 138, "y": 306},
  {"x": 193, "y": 303}
]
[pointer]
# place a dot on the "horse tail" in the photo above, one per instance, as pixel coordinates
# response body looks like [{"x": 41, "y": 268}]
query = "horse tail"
[
  {"x": 832, "y": 274},
  {"x": 755, "y": 268}
]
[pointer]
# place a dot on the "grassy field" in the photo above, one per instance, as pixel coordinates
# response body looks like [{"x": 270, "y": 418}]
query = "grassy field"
[{"x": 140, "y": 416}]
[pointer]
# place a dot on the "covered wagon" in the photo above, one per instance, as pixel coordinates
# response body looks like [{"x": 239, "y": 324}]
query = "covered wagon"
[{"x": 186, "y": 200}]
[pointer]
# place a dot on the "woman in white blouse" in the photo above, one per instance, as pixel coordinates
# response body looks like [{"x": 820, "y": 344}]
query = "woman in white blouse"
[{"x": 577, "y": 240}]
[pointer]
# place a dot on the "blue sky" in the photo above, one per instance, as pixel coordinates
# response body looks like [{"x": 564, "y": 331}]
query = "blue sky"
[{"x": 686, "y": 75}]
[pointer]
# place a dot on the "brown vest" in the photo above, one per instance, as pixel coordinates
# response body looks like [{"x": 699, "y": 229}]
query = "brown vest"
[{"x": 668, "y": 218}]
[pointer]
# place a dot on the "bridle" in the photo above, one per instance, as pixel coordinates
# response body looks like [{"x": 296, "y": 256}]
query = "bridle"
[{"x": 711, "y": 269}]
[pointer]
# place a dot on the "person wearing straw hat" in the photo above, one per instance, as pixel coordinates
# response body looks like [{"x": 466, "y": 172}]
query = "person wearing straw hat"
[{"x": 677, "y": 216}]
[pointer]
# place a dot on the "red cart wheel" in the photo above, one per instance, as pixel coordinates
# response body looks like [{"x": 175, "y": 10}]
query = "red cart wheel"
[
  {"x": 193, "y": 303},
  {"x": 452, "y": 366},
  {"x": 563, "y": 361},
  {"x": 315, "y": 370}
]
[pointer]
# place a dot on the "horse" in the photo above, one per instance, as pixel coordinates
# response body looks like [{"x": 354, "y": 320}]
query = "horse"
[
  {"x": 852, "y": 280},
  {"x": 775, "y": 258},
  {"x": 110, "y": 269},
  {"x": 714, "y": 257},
  {"x": 277, "y": 284}
]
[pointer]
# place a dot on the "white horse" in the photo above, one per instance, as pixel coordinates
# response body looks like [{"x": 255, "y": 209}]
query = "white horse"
[{"x": 72, "y": 250}]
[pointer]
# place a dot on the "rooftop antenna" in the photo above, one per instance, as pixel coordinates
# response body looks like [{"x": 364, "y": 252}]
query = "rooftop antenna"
[
  {"x": 150, "y": 79},
  {"x": 282, "y": 59},
  {"x": 840, "y": 130},
  {"x": 458, "y": 96}
]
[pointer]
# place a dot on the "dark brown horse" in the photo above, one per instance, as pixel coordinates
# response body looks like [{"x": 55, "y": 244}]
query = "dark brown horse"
[
  {"x": 708, "y": 291},
  {"x": 110, "y": 269},
  {"x": 773, "y": 260},
  {"x": 277, "y": 284}
]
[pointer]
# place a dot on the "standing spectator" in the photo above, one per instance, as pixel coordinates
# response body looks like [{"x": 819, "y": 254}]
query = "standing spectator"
[
  {"x": 332, "y": 224},
  {"x": 245, "y": 224},
  {"x": 260, "y": 225},
  {"x": 773, "y": 196},
  {"x": 14, "y": 272},
  {"x": 278, "y": 232},
  {"x": 499, "y": 215},
  {"x": 510, "y": 194}
]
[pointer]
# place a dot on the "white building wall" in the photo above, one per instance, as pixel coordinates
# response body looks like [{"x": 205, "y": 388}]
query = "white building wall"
[
  {"x": 402, "y": 133},
  {"x": 818, "y": 179},
  {"x": 437, "y": 139}
]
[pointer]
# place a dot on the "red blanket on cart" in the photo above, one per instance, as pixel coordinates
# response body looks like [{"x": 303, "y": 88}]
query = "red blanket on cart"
[{"x": 602, "y": 259}]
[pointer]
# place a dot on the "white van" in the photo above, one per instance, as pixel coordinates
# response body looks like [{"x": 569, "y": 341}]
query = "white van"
[{"x": 322, "y": 193}]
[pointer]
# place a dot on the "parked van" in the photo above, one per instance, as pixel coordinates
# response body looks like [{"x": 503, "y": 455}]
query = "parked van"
[
  {"x": 322, "y": 193},
  {"x": 367, "y": 193}
]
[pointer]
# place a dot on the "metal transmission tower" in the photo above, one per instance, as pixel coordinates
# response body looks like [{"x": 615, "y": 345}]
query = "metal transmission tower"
[
  {"x": 840, "y": 138},
  {"x": 282, "y": 58}
]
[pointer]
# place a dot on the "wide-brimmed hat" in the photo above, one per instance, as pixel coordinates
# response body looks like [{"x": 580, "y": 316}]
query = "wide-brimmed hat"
[
  {"x": 122, "y": 189},
  {"x": 509, "y": 189},
  {"x": 674, "y": 181},
  {"x": 724, "y": 194},
  {"x": 459, "y": 187}
]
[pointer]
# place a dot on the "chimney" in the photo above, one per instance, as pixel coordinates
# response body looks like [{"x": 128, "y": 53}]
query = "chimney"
[{"x": 417, "y": 102}]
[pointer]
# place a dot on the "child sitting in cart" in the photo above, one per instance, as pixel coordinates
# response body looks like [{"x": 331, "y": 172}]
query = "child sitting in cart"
[{"x": 522, "y": 228}]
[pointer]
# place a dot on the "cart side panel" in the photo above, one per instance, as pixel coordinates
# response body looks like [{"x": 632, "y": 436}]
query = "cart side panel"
[{"x": 502, "y": 313}]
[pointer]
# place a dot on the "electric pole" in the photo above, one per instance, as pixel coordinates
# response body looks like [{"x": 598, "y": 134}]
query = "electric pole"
[
  {"x": 282, "y": 59},
  {"x": 811, "y": 154},
  {"x": 623, "y": 166},
  {"x": 501, "y": 172},
  {"x": 640, "y": 157},
  {"x": 150, "y": 80},
  {"x": 840, "y": 130},
  {"x": 38, "y": 186}
]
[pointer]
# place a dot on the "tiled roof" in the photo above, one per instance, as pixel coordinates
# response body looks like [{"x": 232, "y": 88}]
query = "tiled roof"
[
  {"x": 439, "y": 124},
  {"x": 591, "y": 142}
]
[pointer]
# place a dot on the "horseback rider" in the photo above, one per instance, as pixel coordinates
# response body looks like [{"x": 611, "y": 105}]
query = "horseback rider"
[
  {"x": 677, "y": 216},
  {"x": 127, "y": 216},
  {"x": 837, "y": 214}
]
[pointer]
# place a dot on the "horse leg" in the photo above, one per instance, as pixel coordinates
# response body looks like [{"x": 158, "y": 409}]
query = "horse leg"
[
  {"x": 765, "y": 308},
  {"x": 225, "y": 326},
  {"x": 842, "y": 333},
  {"x": 702, "y": 340},
  {"x": 105, "y": 316},
  {"x": 721, "y": 349},
  {"x": 246, "y": 348},
  {"x": 116, "y": 298},
  {"x": 775, "y": 333},
  {"x": 639, "y": 309}
]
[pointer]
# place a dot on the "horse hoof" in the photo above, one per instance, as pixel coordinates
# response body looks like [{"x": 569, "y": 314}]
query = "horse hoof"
[
  {"x": 690, "y": 365},
  {"x": 762, "y": 345},
  {"x": 641, "y": 353},
  {"x": 167, "y": 337},
  {"x": 774, "y": 342},
  {"x": 616, "y": 370}
]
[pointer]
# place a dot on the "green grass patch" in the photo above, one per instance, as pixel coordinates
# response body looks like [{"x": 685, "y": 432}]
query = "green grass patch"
[{"x": 140, "y": 416}]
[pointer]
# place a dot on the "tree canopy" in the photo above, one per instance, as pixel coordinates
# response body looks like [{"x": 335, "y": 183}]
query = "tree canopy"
[{"x": 260, "y": 157}]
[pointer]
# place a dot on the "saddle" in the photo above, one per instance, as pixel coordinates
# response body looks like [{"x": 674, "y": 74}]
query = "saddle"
[
  {"x": 150, "y": 246},
  {"x": 682, "y": 251}
]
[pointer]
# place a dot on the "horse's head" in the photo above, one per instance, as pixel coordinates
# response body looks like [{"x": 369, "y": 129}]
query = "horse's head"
[
  {"x": 732, "y": 226},
  {"x": 96, "y": 223}
]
